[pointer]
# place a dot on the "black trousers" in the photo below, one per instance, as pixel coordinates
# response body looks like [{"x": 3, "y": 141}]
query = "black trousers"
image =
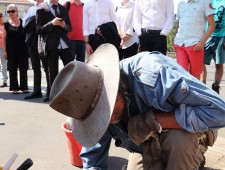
[
  {"x": 128, "y": 52},
  {"x": 153, "y": 42},
  {"x": 53, "y": 61},
  {"x": 15, "y": 62},
  {"x": 36, "y": 66}
]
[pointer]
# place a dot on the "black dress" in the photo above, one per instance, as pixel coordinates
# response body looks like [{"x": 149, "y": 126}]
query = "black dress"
[{"x": 17, "y": 56}]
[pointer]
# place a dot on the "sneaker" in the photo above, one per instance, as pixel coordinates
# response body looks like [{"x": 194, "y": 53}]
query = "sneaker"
[{"x": 216, "y": 87}]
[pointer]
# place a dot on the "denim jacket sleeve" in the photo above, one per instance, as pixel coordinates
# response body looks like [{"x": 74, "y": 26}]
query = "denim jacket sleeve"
[{"x": 160, "y": 83}]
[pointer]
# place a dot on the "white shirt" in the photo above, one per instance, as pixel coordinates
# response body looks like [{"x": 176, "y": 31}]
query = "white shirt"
[
  {"x": 192, "y": 17},
  {"x": 125, "y": 22},
  {"x": 95, "y": 13},
  {"x": 153, "y": 15},
  {"x": 32, "y": 11}
]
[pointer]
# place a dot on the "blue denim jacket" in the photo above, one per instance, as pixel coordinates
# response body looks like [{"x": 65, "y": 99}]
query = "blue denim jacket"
[{"x": 160, "y": 83}]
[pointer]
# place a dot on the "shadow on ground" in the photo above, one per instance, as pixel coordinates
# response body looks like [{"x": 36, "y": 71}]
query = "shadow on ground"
[{"x": 20, "y": 97}]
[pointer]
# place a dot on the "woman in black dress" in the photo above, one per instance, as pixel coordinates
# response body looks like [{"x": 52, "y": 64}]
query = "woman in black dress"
[{"x": 15, "y": 50}]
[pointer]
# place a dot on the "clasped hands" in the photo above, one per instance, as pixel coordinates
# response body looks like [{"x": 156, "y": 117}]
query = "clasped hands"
[{"x": 143, "y": 126}]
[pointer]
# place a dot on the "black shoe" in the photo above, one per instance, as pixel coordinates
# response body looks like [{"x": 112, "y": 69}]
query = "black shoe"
[
  {"x": 216, "y": 87},
  {"x": 33, "y": 95},
  {"x": 46, "y": 99},
  {"x": 4, "y": 85}
]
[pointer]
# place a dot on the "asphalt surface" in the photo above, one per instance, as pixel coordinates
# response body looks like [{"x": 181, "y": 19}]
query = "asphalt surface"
[{"x": 33, "y": 130}]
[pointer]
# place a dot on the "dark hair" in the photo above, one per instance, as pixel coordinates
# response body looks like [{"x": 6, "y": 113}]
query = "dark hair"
[{"x": 1, "y": 15}]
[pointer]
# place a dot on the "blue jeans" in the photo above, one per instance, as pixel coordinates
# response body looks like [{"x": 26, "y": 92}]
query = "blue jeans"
[
  {"x": 78, "y": 50},
  {"x": 96, "y": 157},
  {"x": 4, "y": 68}
]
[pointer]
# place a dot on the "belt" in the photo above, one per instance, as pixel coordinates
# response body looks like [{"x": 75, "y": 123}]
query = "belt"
[{"x": 147, "y": 31}]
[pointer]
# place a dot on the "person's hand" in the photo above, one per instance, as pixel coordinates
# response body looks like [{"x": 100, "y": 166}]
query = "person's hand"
[
  {"x": 126, "y": 37},
  {"x": 142, "y": 126},
  {"x": 199, "y": 46},
  {"x": 89, "y": 49},
  {"x": 58, "y": 22}
]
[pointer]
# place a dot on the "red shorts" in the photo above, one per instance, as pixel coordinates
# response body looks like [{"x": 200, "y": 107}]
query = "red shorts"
[{"x": 190, "y": 60}]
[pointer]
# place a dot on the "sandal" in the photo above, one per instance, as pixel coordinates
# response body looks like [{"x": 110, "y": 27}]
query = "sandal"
[
  {"x": 15, "y": 92},
  {"x": 25, "y": 91}
]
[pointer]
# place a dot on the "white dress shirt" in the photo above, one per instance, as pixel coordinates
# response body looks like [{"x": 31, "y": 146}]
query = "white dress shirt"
[
  {"x": 154, "y": 15},
  {"x": 125, "y": 22},
  {"x": 32, "y": 11},
  {"x": 192, "y": 17},
  {"x": 95, "y": 13}
]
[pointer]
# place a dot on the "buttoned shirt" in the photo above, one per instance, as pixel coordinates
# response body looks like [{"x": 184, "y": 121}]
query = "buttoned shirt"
[
  {"x": 154, "y": 15},
  {"x": 95, "y": 13},
  {"x": 160, "y": 83},
  {"x": 192, "y": 16},
  {"x": 32, "y": 11},
  {"x": 125, "y": 22}
]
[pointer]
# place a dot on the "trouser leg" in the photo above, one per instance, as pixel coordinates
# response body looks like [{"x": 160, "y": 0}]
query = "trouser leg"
[
  {"x": 36, "y": 66},
  {"x": 23, "y": 66},
  {"x": 182, "y": 150},
  {"x": 170, "y": 152}
]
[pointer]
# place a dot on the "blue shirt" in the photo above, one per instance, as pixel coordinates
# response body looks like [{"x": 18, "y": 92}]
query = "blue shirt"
[{"x": 160, "y": 83}]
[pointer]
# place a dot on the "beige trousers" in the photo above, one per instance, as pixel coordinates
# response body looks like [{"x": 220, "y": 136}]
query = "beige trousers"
[{"x": 173, "y": 150}]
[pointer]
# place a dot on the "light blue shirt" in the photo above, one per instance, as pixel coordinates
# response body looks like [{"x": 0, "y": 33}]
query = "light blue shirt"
[{"x": 192, "y": 16}]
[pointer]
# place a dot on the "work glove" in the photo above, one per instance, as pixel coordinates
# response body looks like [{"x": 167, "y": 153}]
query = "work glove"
[{"x": 141, "y": 127}]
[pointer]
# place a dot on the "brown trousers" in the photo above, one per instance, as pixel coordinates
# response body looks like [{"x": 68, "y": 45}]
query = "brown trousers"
[{"x": 173, "y": 150}]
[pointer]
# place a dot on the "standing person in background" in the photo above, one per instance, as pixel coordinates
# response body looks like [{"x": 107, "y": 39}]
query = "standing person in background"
[
  {"x": 3, "y": 60},
  {"x": 128, "y": 45},
  {"x": 215, "y": 46},
  {"x": 53, "y": 23},
  {"x": 191, "y": 36},
  {"x": 15, "y": 50},
  {"x": 29, "y": 23},
  {"x": 96, "y": 12},
  {"x": 77, "y": 43},
  {"x": 153, "y": 20}
]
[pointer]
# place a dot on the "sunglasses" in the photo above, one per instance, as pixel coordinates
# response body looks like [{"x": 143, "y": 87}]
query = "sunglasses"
[{"x": 11, "y": 11}]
